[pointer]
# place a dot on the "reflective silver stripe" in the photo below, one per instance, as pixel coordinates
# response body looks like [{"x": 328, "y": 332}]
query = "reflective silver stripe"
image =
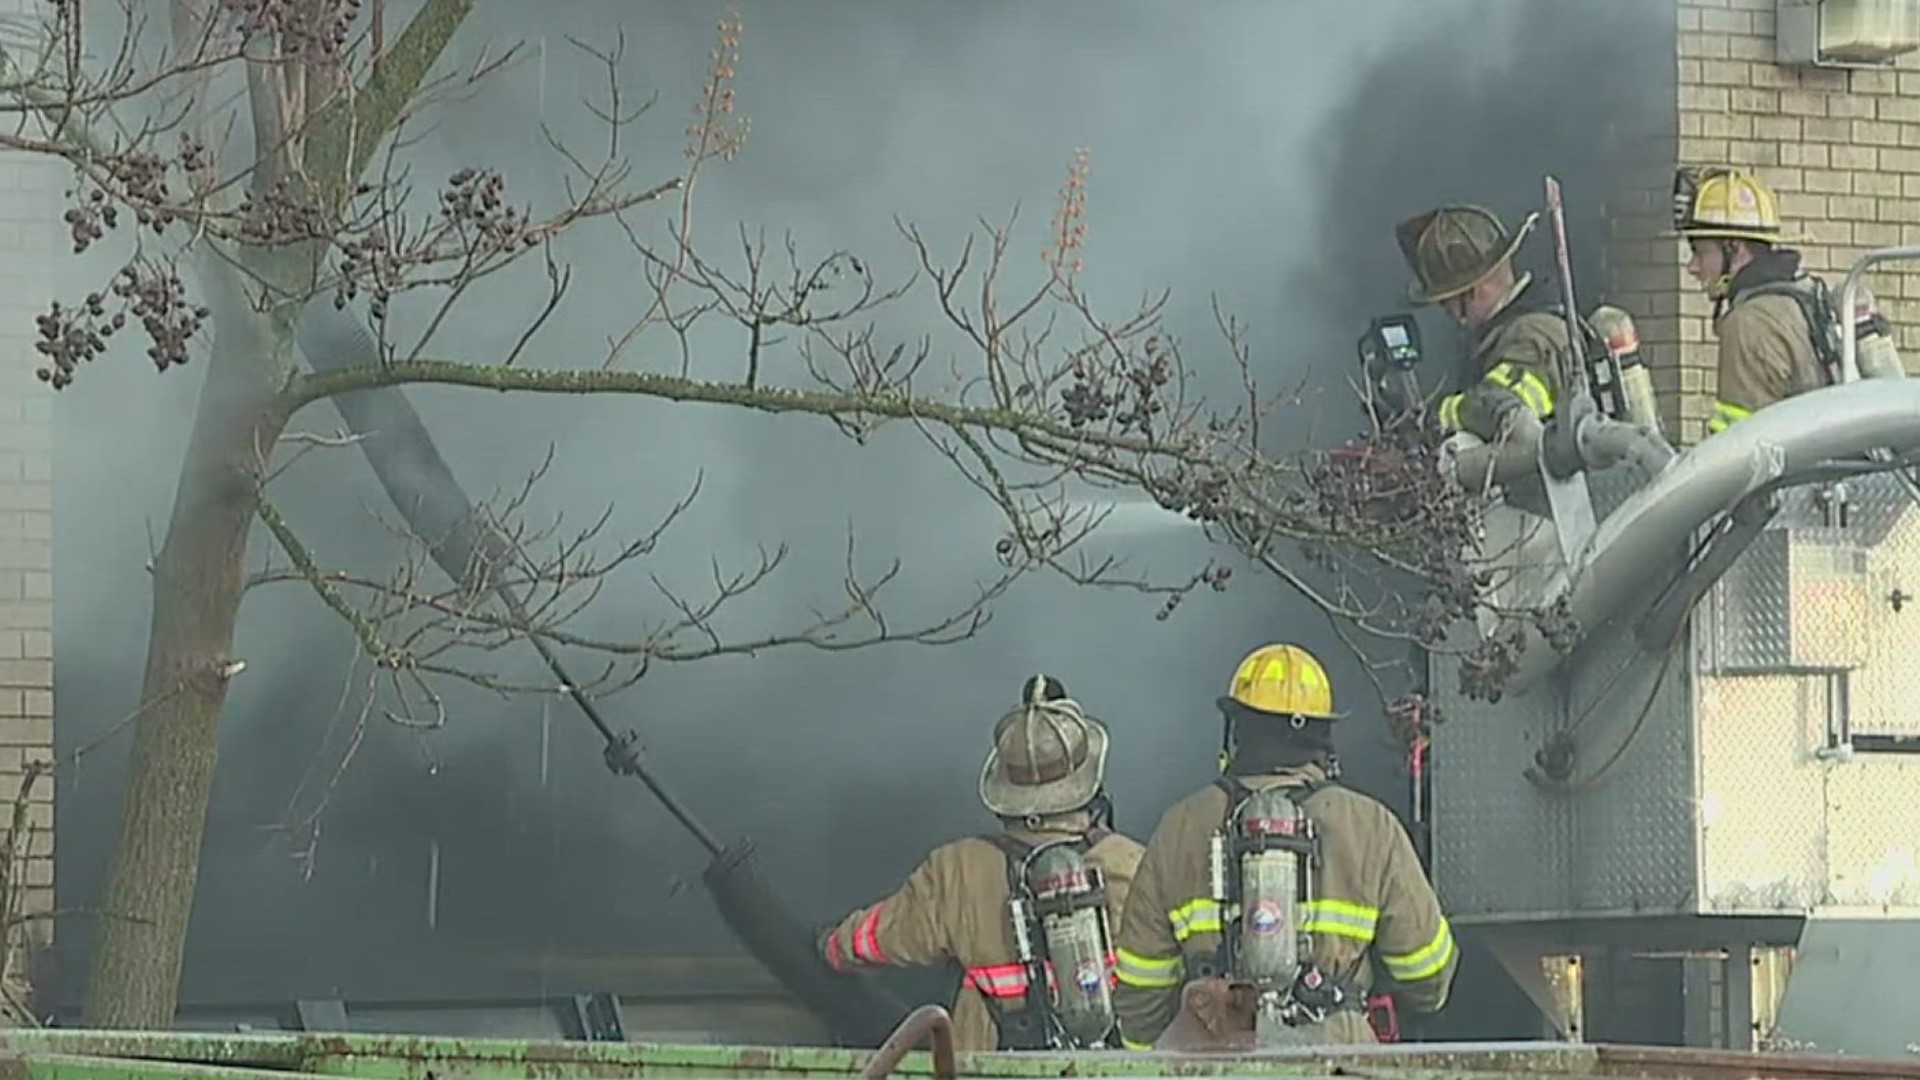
[
  {"x": 1426, "y": 961},
  {"x": 1147, "y": 972}
]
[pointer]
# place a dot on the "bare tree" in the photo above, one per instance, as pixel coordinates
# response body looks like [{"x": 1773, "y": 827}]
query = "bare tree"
[{"x": 252, "y": 162}]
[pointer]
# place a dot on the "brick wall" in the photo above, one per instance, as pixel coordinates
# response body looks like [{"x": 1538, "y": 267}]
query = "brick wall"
[
  {"x": 29, "y": 217},
  {"x": 1842, "y": 147}
]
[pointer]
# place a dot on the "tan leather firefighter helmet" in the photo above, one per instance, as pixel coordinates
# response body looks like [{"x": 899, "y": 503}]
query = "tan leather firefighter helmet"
[
  {"x": 1048, "y": 758},
  {"x": 1453, "y": 248}
]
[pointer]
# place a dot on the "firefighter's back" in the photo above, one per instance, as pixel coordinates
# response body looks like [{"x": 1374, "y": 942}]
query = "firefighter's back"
[
  {"x": 1771, "y": 331},
  {"x": 1043, "y": 780},
  {"x": 973, "y": 908},
  {"x": 1118, "y": 857},
  {"x": 1369, "y": 893}
]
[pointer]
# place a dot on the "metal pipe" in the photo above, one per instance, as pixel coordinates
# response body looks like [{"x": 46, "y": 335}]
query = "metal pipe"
[
  {"x": 433, "y": 883},
  {"x": 1654, "y": 525},
  {"x": 1606, "y": 442},
  {"x": 1512, "y": 459},
  {"x": 1515, "y": 459},
  {"x": 930, "y": 1022},
  {"x": 1850, "y": 294}
]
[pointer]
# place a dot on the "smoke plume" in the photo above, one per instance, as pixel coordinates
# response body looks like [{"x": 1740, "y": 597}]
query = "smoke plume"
[{"x": 1258, "y": 151}]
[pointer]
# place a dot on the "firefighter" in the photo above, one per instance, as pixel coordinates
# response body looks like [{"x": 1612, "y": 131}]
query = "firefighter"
[
  {"x": 1462, "y": 259},
  {"x": 1043, "y": 779},
  {"x": 1774, "y": 320},
  {"x": 1370, "y": 895}
]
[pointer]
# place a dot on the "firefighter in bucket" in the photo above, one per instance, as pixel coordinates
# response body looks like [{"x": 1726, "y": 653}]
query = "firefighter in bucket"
[
  {"x": 1265, "y": 896},
  {"x": 1462, "y": 260},
  {"x": 1026, "y": 911}
]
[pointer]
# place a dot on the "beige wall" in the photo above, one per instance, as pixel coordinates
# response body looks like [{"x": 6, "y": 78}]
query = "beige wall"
[
  {"x": 29, "y": 248},
  {"x": 1841, "y": 146}
]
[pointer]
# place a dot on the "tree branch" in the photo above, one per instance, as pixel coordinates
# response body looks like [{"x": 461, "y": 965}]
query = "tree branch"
[
  {"x": 351, "y": 128},
  {"x": 364, "y": 631},
  {"x": 307, "y": 389}
]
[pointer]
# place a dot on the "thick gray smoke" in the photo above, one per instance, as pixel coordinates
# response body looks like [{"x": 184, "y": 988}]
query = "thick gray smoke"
[{"x": 1262, "y": 151}]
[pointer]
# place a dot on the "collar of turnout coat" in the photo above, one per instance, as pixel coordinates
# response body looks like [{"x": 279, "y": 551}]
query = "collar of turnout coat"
[{"x": 1770, "y": 267}]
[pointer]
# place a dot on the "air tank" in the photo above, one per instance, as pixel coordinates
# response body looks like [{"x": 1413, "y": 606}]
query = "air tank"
[
  {"x": 1071, "y": 899},
  {"x": 1622, "y": 339},
  {"x": 1875, "y": 352},
  {"x": 1273, "y": 834}
]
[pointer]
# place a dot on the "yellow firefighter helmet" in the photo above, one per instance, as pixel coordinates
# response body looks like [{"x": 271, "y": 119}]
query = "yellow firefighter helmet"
[
  {"x": 1048, "y": 758},
  {"x": 1283, "y": 680},
  {"x": 1724, "y": 204}
]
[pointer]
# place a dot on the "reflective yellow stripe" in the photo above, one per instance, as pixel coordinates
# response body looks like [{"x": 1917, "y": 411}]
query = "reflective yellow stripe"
[
  {"x": 1341, "y": 918},
  {"x": 1724, "y": 414},
  {"x": 1426, "y": 961},
  {"x": 1200, "y": 915},
  {"x": 1531, "y": 388},
  {"x": 1129, "y": 1044},
  {"x": 1449, "y": 411},
  {"x": 1146, "y": 972}
]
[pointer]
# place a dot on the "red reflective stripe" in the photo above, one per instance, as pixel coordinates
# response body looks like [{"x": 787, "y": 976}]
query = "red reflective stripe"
[
  {"x": 999, "y": 980},
  {"x": 1010, "y": 980},
  {"x": 866, "y": 938},
  {"x": 834, "y": 959}
]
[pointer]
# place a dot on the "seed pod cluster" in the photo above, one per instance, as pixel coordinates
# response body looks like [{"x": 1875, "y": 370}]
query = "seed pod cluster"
[
  {"x": 305, "y": 29},
  {"x": 283, "y": 215},
  {"x": 1084, "y": 402},
  {"x": 1485, "y": 671},
  {"x": 474, "y": 202},
  {"x": 1145, "y": 381},
  {"x": 142, "y": 179},
  {"x": 1201, "y": 492},
  {"x": 1412, "y": 716},
  {"x": 194, "y": 156},
  {"x": 1213, "y": 577},
  {"x": 137, "y": 178},
  {"x": 90, "y": 220},
  {"x": 158, "y": 298},
  {"x": 69, "y": 336},
  {"x": 367, "y": 260}
]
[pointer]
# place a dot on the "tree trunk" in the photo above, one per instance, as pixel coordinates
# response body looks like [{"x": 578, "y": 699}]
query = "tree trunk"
[{"x": 198, "y": 581}]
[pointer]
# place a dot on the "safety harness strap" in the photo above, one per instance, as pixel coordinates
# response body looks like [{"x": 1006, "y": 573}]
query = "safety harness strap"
[
  {"x": 1823, "y": 333},
  {"x": 1816, "y": 306},
  {"x": 1015, "y": 849}
]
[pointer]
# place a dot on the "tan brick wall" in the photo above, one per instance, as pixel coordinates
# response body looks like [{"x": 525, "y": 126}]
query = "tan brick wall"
[
  {"x": 1841, "y": 146},
  {"x": 29, "y": 250}
]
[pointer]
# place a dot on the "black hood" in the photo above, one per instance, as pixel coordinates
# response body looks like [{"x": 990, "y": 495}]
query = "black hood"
[{"x": 1768, "y": 268}]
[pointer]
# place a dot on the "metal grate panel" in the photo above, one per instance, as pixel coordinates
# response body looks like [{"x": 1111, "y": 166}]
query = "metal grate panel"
[{"x": 1724, "y": 787}]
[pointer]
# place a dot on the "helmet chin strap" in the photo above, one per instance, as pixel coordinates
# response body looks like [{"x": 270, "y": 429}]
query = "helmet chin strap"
[{"x": 1722, "y": 288}]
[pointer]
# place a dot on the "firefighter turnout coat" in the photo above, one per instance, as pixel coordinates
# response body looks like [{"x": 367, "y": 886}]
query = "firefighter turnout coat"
[
  {"x": 953, "y": 907},
  {"x": 1767, "y": 349},
  {"x": 1517, "y": 352},
  {"x": 1372, "y": 897}
]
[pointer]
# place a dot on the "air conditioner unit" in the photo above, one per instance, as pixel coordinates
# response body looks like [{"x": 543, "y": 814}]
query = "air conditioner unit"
[{"x": 1846, "y": 33}]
